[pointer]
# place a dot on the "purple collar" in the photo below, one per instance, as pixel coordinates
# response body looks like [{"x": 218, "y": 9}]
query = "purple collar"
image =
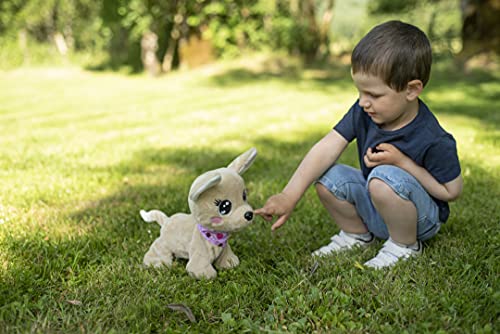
[{"x": 214, "y": 237}]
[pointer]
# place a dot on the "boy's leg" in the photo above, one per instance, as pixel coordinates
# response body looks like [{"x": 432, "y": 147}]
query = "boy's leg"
[
  {"x": 338, "y": 189},
  {"x": 408, "y": 211},
  {"x": 400, "y": 215},
  {"x": 343, "y": 213}
]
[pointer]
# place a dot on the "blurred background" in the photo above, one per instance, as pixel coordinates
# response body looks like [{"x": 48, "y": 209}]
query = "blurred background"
[{"x": 159, "y": 36}]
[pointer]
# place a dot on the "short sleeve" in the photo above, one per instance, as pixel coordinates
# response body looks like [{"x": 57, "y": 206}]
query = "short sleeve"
[
  {"x": 441, "y": 160},
  {"x": 346, "y": 126}
]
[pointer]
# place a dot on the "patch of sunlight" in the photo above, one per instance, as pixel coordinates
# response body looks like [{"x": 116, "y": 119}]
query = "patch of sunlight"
[
  {"x": 45, "y": 72},
  {"x": 447, "y": 95},
  {"x": 7, "y": 213},
  {"x": 492, "y": 88},
  {"x": 450, "y": 122},
  {"x": 41, "y": 219},
  {"x": 471, "y": 146}
]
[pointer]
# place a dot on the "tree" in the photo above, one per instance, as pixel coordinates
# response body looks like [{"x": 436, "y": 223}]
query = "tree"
[
  {"x": 119, "y": 28},
  {"x": 481, "y": 27}
]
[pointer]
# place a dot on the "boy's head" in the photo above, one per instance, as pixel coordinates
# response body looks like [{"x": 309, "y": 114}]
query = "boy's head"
[{"x": 396, "y": 52}]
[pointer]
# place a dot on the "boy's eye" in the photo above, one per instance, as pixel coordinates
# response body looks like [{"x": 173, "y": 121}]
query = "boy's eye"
[{"x": 371, "y": 95}]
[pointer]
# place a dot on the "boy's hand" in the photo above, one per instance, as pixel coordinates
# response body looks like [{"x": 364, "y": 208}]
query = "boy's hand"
[
  {"x": 387, "y": 154},
  {"x": 277, "y": 205}
]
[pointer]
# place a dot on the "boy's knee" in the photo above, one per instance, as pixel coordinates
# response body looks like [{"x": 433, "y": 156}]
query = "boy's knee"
[
  {"x": 386, "y": 180},
  {"x": 322, "y": 191},
  {"x": 380, "y": 191}
]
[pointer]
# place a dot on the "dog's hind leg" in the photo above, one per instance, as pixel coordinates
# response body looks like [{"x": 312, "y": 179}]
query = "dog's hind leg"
[{"x": 158, "y": 255}]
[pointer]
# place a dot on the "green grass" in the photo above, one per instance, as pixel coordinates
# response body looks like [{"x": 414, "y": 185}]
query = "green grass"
[{"x": 81, "y": 153}]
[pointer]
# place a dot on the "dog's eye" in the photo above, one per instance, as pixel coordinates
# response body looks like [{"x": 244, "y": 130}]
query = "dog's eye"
[
  {"x": 244, "y": 195},
  {"x": 225, "y": 207}
]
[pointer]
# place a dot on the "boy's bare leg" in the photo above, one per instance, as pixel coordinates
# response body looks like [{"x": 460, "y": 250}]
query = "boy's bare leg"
[
  {"x": 343, "y": 213},
  {"x": 399, "y": 215}
]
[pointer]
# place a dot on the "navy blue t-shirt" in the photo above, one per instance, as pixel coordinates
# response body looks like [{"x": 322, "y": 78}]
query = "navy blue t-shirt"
[{"x": 423, "y": 140}]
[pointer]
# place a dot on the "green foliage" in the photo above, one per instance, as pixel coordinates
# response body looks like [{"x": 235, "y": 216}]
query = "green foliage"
[
  {"x": 391, "y": 6},
  {"x": 82, "y": 153},
  {"x": 441, "y": 20},
  {"x": 116, "y": 27},
  {"x": 292, "y": 35},
  {"x": 232, "y": 27}
]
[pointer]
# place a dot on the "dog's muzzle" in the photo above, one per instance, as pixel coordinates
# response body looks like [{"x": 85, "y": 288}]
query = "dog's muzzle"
[{"x": 248, "y": 215}]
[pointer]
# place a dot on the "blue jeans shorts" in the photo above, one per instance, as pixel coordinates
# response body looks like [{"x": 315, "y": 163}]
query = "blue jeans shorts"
[{"x": 348, "y": 184}]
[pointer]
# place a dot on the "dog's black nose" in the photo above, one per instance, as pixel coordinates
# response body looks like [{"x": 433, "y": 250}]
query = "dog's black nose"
[{"x": 248, "y": 215}]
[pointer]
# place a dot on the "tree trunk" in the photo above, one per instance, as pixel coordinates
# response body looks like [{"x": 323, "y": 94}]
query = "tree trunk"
[
  {"x": 60, "y": 42},
  {"x": 318, "y": 29},
  {"x": 175, "y": 36},
  {"x": 23, "y": 44},
  {"x": 309, "y": 15},
  {"x": 149, "y": 46},
  {"x": 168, "y": 58},
  {"x": 324, "y": 30},
  {"x": 480, "y": 29}
]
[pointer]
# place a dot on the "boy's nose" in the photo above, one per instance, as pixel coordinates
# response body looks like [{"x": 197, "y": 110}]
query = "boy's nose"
[{"x": 364, "y": 103}]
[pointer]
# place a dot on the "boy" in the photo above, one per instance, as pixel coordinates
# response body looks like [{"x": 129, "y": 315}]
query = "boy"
[{"x": 409, "y": 164}]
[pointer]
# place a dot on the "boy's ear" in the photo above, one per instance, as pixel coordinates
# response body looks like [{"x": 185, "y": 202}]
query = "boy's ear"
[{"x": 413, "y": 89}]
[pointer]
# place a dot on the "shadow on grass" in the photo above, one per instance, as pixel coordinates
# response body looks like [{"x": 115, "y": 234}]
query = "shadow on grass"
[
  {"x": 108, "y": 258},
  {"x": 320, "y": 76},
  {"x": 116, "y": 217},
  {"x": 114, "y": 223},
  {"x": 45, "y": 273}
]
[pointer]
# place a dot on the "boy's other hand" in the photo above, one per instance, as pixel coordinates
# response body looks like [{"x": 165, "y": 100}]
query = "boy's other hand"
[
  {"x": 384, "y": 154},
  {"x": 277, "y": 205}
]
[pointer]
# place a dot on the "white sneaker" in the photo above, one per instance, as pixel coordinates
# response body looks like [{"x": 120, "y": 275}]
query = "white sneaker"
[
  {"x": 392, "y": 253},
  {"x": 342, "y": 242}
]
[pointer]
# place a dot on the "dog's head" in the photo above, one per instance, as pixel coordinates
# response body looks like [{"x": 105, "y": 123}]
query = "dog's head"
[{"x": 218, "y": 198}]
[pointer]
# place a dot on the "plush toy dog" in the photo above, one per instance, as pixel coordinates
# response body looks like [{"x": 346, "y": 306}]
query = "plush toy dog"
[{"x": 218, "y": 203}]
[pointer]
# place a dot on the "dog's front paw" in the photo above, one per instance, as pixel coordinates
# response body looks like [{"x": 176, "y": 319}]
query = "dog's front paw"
[
  {"x": 152, "y": 259},
  {"x": 229, "y": 261},
  {"x": 200, "y": 269},
  {"x": 206, "y": 273}
]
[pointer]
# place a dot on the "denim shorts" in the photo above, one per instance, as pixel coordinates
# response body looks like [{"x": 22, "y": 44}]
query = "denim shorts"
[{"x": 348, "y": 184}]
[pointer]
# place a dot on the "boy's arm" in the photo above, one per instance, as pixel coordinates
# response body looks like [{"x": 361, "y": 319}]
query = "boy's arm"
[
  {"x": 390, "y": 155},
  {"x": 321, "y": 156}
]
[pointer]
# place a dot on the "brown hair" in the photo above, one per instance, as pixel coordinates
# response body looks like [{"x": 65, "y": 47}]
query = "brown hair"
[{"x": 396, "y": 52}]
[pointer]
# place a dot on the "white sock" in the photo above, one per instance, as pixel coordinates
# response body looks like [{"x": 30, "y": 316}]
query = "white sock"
[
  {"x": 412, "y": 246},
  {"x": 368, "y": 236}
]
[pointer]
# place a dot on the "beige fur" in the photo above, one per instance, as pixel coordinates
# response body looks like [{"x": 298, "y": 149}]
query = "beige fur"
[{"x": 180, "y": 237}]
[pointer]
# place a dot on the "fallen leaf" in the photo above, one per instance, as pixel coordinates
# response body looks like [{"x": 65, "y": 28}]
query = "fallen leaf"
[
  {"x": 359, "y": 265},
  {"x": 75, "y": 302},
  {"x": 183, "y": 308}
]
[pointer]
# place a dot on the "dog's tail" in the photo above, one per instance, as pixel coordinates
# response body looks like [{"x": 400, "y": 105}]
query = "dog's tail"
[{"x": 154, "y": 216}]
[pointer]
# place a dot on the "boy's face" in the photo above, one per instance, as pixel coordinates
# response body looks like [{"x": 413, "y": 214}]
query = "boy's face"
[{"x": 387, "y": 107}]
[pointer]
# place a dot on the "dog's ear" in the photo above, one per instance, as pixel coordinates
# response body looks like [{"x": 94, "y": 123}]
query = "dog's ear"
[
  {"x": 211, "y": 182},
  {"x": 244, "y": 161}
]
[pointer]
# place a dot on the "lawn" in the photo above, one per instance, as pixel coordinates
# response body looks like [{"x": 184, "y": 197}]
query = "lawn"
[{"x": 82, "y": 152}]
